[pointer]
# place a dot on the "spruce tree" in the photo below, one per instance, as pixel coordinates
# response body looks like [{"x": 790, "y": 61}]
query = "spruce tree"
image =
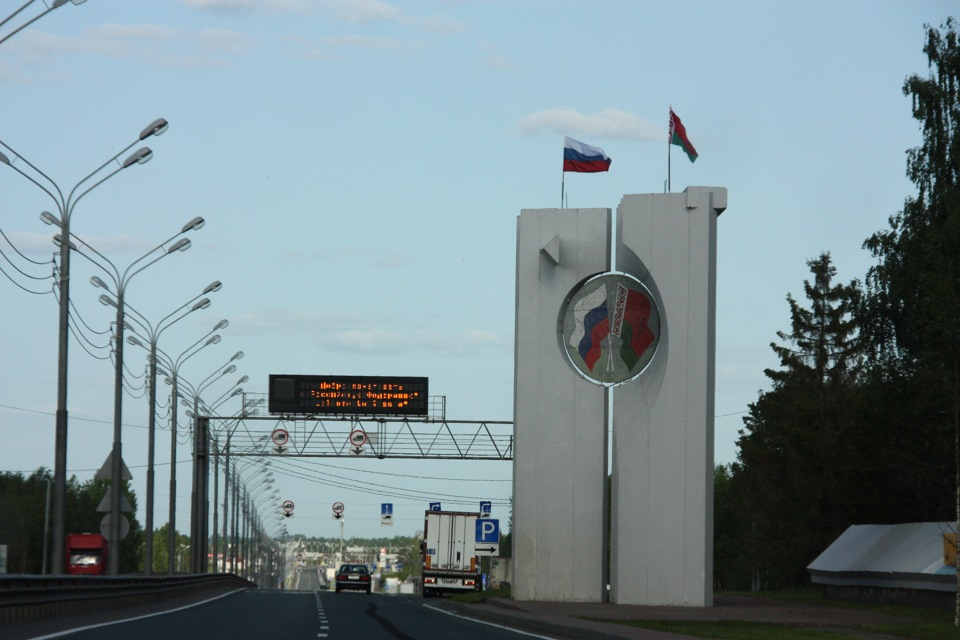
[{"x": 792, "y": 479}]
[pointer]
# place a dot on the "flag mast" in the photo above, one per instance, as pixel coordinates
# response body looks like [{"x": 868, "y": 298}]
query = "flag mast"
[{"x": 669, "y": 144}]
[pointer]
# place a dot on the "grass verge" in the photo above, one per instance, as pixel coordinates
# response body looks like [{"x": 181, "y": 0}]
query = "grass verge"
[{"x": 475, "y": 597}]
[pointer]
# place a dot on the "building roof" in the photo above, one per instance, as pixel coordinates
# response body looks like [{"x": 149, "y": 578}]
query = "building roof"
[{"x": 888, "y": 555}]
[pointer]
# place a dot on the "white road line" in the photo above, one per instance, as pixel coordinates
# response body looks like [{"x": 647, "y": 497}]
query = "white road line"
[
  {"x": 489, "y": 624},
  {"x": 149, "y": 615}
]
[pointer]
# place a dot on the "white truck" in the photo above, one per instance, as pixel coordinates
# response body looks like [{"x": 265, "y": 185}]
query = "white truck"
[{"x": 450, "y": 562}]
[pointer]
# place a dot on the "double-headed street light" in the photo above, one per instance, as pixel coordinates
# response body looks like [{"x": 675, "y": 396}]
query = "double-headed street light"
[
  {"x": 54, "y": 5},
  {"x": 65, "y": 206},
  {"x": 172, "y": 372},
  {"x": 120, "y": 282},
  {"x": 152, "y": 335},
  {"x": 198, "y": 502}
]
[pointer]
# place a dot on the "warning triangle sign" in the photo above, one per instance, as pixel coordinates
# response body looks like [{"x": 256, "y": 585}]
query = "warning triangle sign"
[
  {"x": 106, "y": 471},
  {"x": 104, "y": 506}
]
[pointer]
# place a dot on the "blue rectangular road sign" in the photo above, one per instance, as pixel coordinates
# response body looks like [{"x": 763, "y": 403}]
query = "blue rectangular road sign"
[
  {"x": 434, "y": 506},
  {"x": 386, "y": 508},
  {"x": 488, "y": 531},
  {"x": 485, "y": 507}
]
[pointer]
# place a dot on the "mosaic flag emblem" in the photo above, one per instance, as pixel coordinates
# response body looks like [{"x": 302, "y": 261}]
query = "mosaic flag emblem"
[{"x": 612, "y": 319}]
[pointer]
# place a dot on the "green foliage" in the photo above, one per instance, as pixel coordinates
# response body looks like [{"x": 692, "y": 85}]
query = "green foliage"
[
  {"x": 22, "y": 502},
  {"x": 862, "y": 421},
  {"x": 912, "y": 304},
  {"x": 791, "y": 484}
]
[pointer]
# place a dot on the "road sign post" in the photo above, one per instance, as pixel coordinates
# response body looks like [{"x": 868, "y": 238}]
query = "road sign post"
[
  {"x": 386, "y": 514},
  {"x": 488, "y": 537}
]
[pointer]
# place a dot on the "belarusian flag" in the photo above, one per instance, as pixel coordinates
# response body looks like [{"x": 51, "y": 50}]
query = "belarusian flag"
[{"x": 678, "y": 136}]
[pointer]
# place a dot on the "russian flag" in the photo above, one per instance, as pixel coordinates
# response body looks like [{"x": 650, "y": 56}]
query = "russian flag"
[
  {"x": 592, "y": 325},
  {"x": 583, "y": 158}
]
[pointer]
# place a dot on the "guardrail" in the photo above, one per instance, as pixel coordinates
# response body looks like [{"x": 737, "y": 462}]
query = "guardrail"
[{"x": 28, "y": 598}]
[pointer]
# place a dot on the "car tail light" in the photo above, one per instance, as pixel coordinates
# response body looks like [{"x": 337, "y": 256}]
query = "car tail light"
[
  {"x": 429, "y": 580},
  {"x": 364, "y": 578},
  {"x": 470, "y": 583},
  {"x": 341, "y": 576}
]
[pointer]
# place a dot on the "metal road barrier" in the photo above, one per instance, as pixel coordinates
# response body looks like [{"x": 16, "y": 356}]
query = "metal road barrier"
[{"x": 28, "y": 598}]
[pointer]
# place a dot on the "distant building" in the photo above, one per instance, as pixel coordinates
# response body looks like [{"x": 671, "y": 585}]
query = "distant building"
[{"x": 907, "y": 564}]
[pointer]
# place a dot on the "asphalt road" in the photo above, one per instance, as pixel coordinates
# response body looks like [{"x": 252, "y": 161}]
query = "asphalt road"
[{"x": 296, "y": 615}]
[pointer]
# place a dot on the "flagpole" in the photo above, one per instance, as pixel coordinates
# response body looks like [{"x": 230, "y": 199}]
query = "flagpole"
[
  {"x": 668, "y": 166},
  {"x": 669, "y": 142},
  {"x": 563, "y": 177}
]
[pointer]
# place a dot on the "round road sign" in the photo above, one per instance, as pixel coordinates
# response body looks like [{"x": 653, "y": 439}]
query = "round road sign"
[
  {"x": 338, "y": 508},
  {"x": 358, "y": 437},
  {"x": 287, "y": 506},
  {"x": 280, "y": 437},
  {"x": 105, "y": 526}
]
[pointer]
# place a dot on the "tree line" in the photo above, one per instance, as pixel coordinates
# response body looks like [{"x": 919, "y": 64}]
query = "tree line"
[
  {"x": 25, "y": 530},
  {"x": 861, "y": 423}
]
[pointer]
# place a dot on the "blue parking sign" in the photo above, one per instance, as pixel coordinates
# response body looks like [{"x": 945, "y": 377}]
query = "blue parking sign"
[{"x": 488, "y": 531}]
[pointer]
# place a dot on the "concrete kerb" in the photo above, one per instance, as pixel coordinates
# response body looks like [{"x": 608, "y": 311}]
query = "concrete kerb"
[
  {"x": 566, "y": 619},
  {"x": 541, "y": 618}
]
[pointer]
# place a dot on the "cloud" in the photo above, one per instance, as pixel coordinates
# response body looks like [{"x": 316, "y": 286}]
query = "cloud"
[
  {"x": 367, "y": 12},
  {"x": 242, "y": 6},
  {"x": 160, "y": 44},
  {"x": 29, "y": 242},
  {"x": 354, "y": 332},
  {"x": 609, "y": 123}
]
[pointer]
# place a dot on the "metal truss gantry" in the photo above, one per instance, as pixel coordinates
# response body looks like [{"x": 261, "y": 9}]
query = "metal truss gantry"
[{"x": 396, "y": 437}]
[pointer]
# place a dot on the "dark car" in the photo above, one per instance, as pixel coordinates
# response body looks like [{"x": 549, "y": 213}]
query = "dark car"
[{"x": 353, "y": 576}]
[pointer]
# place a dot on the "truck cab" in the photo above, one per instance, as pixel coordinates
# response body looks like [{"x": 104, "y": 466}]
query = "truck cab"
[{"x": 86, "y": 554}]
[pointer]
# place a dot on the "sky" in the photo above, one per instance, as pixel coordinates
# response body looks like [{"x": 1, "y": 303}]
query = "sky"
[{"x": 360, "y": 166}]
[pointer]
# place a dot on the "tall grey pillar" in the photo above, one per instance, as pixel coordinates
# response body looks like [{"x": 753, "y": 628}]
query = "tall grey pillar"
[
  {"x": 560, "y": 418},
  {"x": 662, "y": 493}
]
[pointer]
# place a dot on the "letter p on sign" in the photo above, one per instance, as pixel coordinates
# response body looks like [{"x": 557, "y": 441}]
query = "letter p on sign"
[{"x": 488, "y": 531}]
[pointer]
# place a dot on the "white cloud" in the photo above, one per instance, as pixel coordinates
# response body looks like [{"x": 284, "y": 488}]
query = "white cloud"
[
  {"x": 609, "y": 123},
  {"x": 367, "y": 12},
  {"x": 240, "y": 6},
  {"x": 157, "y": 43},
  {"x": 354, "y": 332}
]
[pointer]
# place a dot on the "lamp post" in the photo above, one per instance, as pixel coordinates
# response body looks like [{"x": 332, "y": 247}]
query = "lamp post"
[
  {"x": 152, "y": 336},
  {"x": 65, "y": 206},
  {"x": 216, "y": 465},
  {"x": 198, "y": 510},
  {"x": 172, "y": 376},
  {"x": 120, "y": 282},
  {"x": 54, "y": 5}
]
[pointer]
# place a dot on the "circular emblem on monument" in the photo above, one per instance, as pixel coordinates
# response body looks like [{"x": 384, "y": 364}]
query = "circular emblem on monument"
[{"x": 610, "y": 328}]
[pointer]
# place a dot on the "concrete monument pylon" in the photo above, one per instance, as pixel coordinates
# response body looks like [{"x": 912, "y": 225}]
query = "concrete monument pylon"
[{"x": 636, "y": 343}]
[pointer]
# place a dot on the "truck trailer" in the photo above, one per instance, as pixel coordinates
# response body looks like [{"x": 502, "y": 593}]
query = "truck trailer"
[
  {"x": 86, "y": 554},
  {"x": 450, "y": 562}
]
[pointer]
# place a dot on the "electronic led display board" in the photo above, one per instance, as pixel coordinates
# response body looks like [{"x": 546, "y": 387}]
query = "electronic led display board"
[{"x": 348, "y": 395}]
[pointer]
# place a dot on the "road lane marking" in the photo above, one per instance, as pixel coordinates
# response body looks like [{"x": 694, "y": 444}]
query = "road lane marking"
[
  {"x": 489, "y": 624},
  {"x": 59, "y": 634}
]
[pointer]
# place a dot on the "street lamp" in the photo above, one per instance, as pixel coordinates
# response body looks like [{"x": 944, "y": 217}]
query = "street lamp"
[
  {"x": 54, "y": 5},
  {"x": 172, "y": 376},
  {"x": 153, "y": 335},
  {"x": 65, "y": 206},
  {"x": 198, "y": 510},
  {"x": 120, "y": 282}
]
